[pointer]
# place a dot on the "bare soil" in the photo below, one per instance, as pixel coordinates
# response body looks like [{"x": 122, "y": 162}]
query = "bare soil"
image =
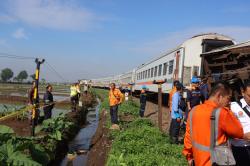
[
  {"x": 151, "y": 112},
  {"x": 20, "y": 127}
]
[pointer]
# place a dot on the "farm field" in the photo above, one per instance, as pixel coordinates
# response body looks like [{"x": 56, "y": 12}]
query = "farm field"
[{"x": 50, "y": 144}]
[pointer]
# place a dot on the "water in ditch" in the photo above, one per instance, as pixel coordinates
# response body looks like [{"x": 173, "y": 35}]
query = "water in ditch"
[{"x": 81, "y": 143}]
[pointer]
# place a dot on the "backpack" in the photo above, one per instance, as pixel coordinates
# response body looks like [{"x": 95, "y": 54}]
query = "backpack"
[{"x": 182, "y": 104}]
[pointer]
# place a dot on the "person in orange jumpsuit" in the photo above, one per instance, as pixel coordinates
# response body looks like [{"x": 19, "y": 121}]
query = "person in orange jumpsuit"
[
  {"x": 197, "y": 137},
  {"x": 171, "y": 93},
  {"x": 115, "y": 99}
]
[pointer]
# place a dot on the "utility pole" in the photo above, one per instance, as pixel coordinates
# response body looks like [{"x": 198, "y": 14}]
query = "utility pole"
[
  {"x": 36, "y": 97},
  {"x": 159, "y": 83}
]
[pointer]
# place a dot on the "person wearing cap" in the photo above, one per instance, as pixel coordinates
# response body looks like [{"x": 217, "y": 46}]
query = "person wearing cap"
[
  {"x": 194, "y": 95},
  {"x": 143, "y": 101},
  {"x": 48, "y": 102},
  {"x": 176, "y": 115},
  {"x": 171, "y": 93}
]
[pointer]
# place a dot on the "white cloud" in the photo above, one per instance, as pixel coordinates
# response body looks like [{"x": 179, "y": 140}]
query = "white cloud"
[
  {"x": 19, "y": 34},
  {"x": 56, "y": 14},
  {"x": 6, "y": 18}
]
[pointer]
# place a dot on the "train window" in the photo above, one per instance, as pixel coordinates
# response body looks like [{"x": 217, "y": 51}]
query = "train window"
[
  {"x": 171, "y": 67},
  {"x": 152, "y": 72},
  {"x": 155, "y": 74},
  {"x": 165, "y": 68},
  {"x": 160, "y": 69},
  {"x": 148, "y": 73}
]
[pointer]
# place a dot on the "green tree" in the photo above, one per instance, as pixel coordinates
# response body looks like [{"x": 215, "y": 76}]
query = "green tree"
[
  {"x": 23, "y": 75},
  {"x": 33, "y": 76},
  {"x": 6, "y": 74},
  {"x": 43, "y": 81}
]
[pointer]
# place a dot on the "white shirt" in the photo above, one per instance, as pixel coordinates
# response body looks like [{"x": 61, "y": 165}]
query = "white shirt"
[{"x": 241, "y": 115}]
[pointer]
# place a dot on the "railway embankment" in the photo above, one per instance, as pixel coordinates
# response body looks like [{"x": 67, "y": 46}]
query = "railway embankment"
[{"x": 138, "y": 142}]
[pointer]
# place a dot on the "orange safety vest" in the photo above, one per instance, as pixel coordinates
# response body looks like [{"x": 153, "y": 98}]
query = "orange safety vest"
[
  {"x": 115, "y": 97},
  {"x": 197, "y": 137}
]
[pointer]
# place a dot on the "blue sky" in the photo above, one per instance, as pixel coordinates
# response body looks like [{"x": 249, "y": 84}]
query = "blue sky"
[{"x": 98, "y": 38}]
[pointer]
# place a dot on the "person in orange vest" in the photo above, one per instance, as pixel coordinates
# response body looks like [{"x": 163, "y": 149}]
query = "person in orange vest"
[
  {"x": 115, "y": 99},
  {"x": 171, "y": 93},
  {"x": 197, "y": 136}
]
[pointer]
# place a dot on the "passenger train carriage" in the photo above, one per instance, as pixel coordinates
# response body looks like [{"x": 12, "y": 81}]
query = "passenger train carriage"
[{"x": 181, "y": 63}]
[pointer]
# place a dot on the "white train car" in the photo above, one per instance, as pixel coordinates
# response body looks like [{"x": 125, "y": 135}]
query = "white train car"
[
  {"x": 126, "y": 79},
  {"x": 102, "y": 82},
  {"x": 180, "y": 64}
]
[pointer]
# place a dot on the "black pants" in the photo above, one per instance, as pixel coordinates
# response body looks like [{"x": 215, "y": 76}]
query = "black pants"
[
  {"x": 114, "y": 114},
  {"x": 141, "y": 113},
  {"x": 142, "y": 109},
  {"x": 47, "y": 113},
  {"x": 174, "y": 130},
  {"x": 74, "y": 101}
]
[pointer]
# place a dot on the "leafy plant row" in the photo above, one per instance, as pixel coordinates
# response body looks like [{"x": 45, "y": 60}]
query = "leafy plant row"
[{"x": 33, "y": 151}]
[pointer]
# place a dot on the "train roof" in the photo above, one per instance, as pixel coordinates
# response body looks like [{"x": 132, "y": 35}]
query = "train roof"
[
  {"x": 211, "y": 34},
  {"x": 203, "y": 35},
  {"x": 228, "y": 48}
]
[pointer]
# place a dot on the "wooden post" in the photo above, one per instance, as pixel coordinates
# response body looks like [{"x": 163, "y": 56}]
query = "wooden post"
[{"x": 160, "y": 106}]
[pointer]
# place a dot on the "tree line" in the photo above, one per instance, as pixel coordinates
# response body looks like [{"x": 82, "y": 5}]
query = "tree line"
[{"x": 7, "y": 74}]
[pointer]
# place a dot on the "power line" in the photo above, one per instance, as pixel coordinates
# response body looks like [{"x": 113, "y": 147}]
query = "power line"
[
  {"x": 53, "y": 69},
  {"x": 12, "y": 56}
]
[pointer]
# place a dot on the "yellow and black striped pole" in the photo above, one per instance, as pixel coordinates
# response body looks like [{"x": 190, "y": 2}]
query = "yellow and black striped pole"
[{"x": 36, "y": 96}]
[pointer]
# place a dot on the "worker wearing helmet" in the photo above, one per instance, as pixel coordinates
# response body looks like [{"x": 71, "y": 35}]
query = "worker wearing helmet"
[
  {"x": 115, "y": 99},
  {"x": 194, "y": 95},
  {"x": 197, "y": 136},
  {"x": 74, "y": 96}
]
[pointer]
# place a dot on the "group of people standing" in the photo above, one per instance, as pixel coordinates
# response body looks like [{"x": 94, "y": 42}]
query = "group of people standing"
[
  {"x": 48, "y": 100},
  {"x": 181, "y": 102},
  {"x": 209, "y": 121}
]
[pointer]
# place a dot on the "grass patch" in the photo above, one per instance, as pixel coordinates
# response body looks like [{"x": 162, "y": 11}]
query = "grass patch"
[{"x": 139, "y": 143}]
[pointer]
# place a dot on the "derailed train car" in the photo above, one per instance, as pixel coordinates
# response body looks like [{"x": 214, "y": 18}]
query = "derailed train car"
[
  {"x": 181, "y": 63},
  {"x": 231, "y": 64}
]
